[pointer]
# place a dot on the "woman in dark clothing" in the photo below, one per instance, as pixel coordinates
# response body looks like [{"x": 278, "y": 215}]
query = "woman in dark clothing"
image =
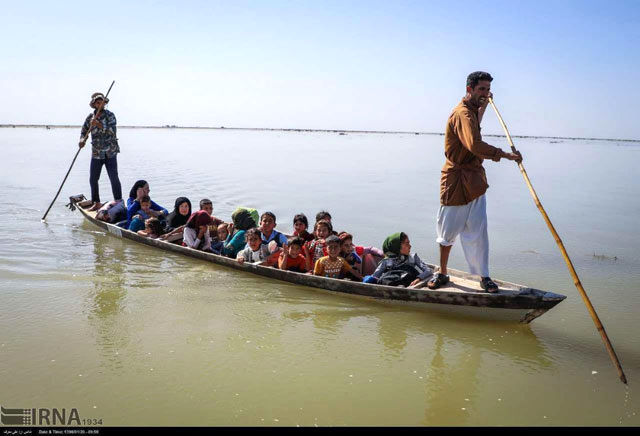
[
  {"x": 177, "y": 219},
  {"x": 399, "y": 266}
]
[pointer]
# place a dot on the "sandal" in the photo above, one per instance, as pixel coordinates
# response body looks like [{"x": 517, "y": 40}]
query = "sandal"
[
  {"x": 437, "y": 280},
  {"x": 488, "y": 285}
]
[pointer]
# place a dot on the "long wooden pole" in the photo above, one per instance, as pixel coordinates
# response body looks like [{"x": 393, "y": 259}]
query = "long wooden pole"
[
  {"x": 576, "y": 280},
  {"x": 83, "y": 139}
]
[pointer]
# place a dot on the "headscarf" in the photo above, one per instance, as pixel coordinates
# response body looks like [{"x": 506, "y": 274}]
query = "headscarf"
[
  {"x": 134, "y": 190},
  {"x": 244, "y": 218},
  {"x": 198, "y": 219},
  {"x": 175, "y": 218},
  {"x": 391, "y": 245}
]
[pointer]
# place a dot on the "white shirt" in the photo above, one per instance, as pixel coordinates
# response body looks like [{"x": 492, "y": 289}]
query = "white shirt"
[{"x": 189, "y": 237}]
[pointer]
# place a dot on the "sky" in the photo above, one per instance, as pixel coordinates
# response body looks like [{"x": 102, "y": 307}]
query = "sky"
[{"x": 560, "y": 68}]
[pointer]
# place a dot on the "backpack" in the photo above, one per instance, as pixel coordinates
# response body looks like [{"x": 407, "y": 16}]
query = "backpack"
[
  {"x": 401, "y": 275},
  {"x": 276, "y": 238}
]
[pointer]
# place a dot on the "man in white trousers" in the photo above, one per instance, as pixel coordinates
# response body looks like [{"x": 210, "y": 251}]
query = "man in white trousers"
[{"x": 463, "y": 184}]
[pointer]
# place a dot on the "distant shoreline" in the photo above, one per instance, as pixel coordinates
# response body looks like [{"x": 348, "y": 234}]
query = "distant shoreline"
[{"x": 343, "y": 132}]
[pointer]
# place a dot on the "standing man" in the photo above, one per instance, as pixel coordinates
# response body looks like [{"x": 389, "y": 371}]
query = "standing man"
[
  {"x": 104, "y": 144},
  {"x": 463, "y": 207}
]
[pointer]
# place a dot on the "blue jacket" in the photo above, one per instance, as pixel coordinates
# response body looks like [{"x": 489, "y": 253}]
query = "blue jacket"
[{"x": 133, "y": 207}]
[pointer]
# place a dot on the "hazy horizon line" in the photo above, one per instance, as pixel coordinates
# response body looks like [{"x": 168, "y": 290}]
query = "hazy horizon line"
[{"x": 280, "y": 129}]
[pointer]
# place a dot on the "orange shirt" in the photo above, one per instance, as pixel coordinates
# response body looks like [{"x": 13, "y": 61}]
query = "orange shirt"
[
  {"x": 298, "y": 263},
  {"x": 463, "y": 178},
  {"x": 334, "y": 269}
]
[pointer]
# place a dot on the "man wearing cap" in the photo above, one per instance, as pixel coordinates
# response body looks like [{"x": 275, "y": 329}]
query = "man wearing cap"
[
  {"x": 463, "y": 184},
  {"x": 104, "y": 145}
]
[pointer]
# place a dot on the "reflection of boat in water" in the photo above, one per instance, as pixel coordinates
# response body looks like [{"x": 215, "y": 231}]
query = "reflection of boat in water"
[
  {"x": 451, "y": 363},
  {"x": 463, "y": 292},
  {"x": 515, "y": 342}
]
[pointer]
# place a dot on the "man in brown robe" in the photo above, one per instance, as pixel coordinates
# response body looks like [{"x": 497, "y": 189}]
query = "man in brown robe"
[{"x": 463, "y": 184}]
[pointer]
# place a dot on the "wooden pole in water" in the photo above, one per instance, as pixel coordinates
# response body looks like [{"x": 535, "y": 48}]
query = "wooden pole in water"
[
  {"x": 83, "y": 139},
  {"x": 576, "y": 280}
]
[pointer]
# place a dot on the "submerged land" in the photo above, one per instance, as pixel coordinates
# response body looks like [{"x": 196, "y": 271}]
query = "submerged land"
[{"x": 338, "y": 131}]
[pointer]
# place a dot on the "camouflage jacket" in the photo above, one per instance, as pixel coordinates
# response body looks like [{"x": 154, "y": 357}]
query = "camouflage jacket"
[{"x": 104, "y": 142}]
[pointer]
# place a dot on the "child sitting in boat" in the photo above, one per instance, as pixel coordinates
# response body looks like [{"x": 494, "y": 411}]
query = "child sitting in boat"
[
  {"x": 332, "y": 265},
  {"x": 348, "y": 253},
  {"x": 196, "y": 231},
  {"x": 268, "y": 230},
  {"x": 314, "y": 250},
  {"x": 255, "y": 251},
  {"x": 152, "y": 228},
  {"x": 207, "y": 206},
  {"x": 300, "y": 226},
  {"x": 291, "y": 257},
  {"x": 142, "y": 214},
  {"x": 217, "y": 243},
  {"x": 365, "y": 260},
  {"x": 270, "y": 236},
  {"x": 399, "y": 267},
  {"x": 323, "y": 215},
  {"x": 243, "y": 220}
]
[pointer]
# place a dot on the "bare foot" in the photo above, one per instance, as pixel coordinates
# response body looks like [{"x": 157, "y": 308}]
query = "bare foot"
[{"x": 95, "y": 207}]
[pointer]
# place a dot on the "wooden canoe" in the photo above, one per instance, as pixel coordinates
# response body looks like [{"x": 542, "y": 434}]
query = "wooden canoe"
[{"x": 461, "y": 294}]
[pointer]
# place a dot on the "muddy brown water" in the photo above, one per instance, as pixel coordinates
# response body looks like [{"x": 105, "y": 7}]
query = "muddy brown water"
[{"x": 136, "y": 336}]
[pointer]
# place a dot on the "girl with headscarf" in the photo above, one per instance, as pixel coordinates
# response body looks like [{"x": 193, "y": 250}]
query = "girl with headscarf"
[
  {"x": 196, "y": 231},
  {"x": 243, "y": 219},
  {"x": 399, "y": 267},
  {"x": 177, "y": 219}
]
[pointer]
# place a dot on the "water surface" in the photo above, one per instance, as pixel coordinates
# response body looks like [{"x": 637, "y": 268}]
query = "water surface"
[{"x": 138, "y": 336}]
